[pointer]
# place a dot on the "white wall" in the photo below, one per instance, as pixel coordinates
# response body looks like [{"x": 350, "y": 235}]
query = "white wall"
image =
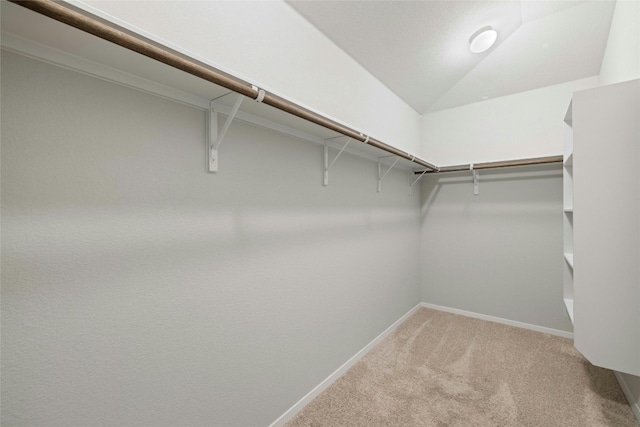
[
  {"x": 621, "y": 60},
  {"x": 138, "y": 289},
  {"x": 272, "y": 46},
  {"x": 498, "y": 253},
  {"x": 527, "y": 124}
]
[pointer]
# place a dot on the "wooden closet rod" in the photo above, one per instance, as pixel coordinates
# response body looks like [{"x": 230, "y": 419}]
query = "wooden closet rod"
[
  {"x": 163, "y": 54},
  {"x": 500, "y": 164}
]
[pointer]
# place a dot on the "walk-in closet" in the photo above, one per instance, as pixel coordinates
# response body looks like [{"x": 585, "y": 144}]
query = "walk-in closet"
[{"x": 320, "y": 213}]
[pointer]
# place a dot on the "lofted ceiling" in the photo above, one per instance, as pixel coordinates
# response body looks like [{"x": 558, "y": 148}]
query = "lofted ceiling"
[{"x": 420, "y": 49}]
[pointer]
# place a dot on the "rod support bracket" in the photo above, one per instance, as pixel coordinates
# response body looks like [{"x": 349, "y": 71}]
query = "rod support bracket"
[
  {"x": 213, "y": 160},
  {"x": 476, "y": 180},
  {"x": 416, "y": 180},
  {"x": 212, "y": 136},
  {"x": 382, "y": 175},
  {"x": 215, "y": 138},
  {"x": 261, "y": 93},
  {"x": 328, "y": 165}
]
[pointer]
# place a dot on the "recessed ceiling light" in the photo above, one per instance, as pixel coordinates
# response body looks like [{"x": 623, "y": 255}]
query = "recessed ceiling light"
[{"x": 482, "y": 39}]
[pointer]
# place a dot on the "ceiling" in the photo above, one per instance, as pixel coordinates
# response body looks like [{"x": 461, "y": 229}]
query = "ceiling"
[{"x": 420, "y": 49}]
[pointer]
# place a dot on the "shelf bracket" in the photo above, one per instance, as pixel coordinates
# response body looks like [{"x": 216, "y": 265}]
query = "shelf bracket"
[
  {"x": 215, "y": 137},
  {"x": 381, "y": 175},
  {"x": 415, "y": 180},
  {"x": 476, "y": 180},
  {"x": 328, "y": 165}
]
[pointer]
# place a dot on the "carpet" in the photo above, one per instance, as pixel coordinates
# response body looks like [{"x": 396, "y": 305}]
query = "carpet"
[{"x": 442, "y": 369}]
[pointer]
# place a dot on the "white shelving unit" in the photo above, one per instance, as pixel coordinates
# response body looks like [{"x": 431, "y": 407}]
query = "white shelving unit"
[
  {"x": 602, "y": 185},
  {"x": 568, "y": 303},
  {"x": 567, "y": 200},
  {"x": 569, "y": 258}
]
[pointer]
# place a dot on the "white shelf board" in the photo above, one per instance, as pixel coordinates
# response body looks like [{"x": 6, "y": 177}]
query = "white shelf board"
[
  {"x": 568, "y": 117},
  {"x": 569, "y": 258},
  {"x": 568, "y": 303},
  {"x": 568, "y": 162}
]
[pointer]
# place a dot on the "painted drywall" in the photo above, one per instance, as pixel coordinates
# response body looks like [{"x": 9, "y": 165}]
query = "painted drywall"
[
  {"x": 524, "y": 125},
  {"x": 272, "y": 46},
  {"x": 138, "y": 289},
  {"x": 621, "y": 61},
  {"x": 498, "y": 253}
]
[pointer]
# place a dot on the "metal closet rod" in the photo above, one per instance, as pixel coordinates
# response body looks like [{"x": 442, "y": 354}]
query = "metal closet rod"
[
  {"x": 500, "y": 164},
  {"x": 128, "y": 41}
]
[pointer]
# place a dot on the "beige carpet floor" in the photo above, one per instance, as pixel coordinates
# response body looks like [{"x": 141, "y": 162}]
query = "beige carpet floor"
[{"x": 441, "y": 369}]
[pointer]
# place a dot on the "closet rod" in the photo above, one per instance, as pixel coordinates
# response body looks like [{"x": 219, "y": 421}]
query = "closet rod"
[
  {"x": 500, "y": 164},
  {"x": 188, "y": 65}
]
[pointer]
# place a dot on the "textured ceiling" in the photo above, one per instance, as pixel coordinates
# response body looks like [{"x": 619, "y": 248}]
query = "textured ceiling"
[{"x": 419, "y": 49}]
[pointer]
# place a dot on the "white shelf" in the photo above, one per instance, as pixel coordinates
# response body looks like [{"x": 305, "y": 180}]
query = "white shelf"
[
  {"x": 568, "y": 210},
  {"x": 568, "y": 303},
  {"x": 568, "y": 162},
  {"x": 569, "y": 258}
]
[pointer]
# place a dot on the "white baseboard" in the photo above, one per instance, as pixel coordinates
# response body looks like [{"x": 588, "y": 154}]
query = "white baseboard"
[
  {"x": 291, "y": 412},
  {"x": 634, "y": 401},
  {"x": 536, "y": 328}
]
